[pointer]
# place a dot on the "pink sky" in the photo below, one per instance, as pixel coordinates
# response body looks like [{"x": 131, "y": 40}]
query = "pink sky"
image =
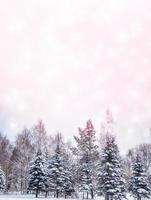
[{"x": 67, "y": 61}]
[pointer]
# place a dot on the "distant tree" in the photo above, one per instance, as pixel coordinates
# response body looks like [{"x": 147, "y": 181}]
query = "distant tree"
[
  {"x": 110, "y": 174},
  {"x": 37, "y": 175},
  {"x": 127, "y": 163},
  {"x": 40, "y": 137},
  {"x": 106, "y": 127},
  {"x": 144, "y": 151},
  {"x": 139, "y": 185},
  {"x": 22, "y": 155},
  {"x": 2, "y": 180},
  {"x": 87, "y": 152},
  {"x": 5, "y": 159}
]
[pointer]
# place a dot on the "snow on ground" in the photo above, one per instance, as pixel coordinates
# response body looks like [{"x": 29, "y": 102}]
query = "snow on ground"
[
  {"x": 32, "y": 197},
  {"x": 20, "y": 197},
  {"x": 29, "y": 197}
]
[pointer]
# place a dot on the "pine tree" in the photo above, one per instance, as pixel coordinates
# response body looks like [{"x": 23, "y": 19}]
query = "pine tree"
[
  {"x": 60, "y": 171},
  {"x": 87, "y": 153},
  {"x": 46, "y": 171},
  {"x": 110, "y": 176},
  {"x": 56, "y": 173},
  {"x": 68, "y": 187},
  {"x": 139, "y": 185},
  {"x": 2, "y": 180},
  {"x": 37, "y": 175},
  {"x": 85, "y": 178}
]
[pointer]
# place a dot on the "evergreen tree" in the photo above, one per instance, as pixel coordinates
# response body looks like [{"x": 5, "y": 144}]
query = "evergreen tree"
[
  {"x": 110, "y": 177},
  {"x": 60, "y": 171},
  {"x": 85, "y": 178},
  {"x": 46, "y": 171},
  {"x": 56, "y": 173},
  {"x": 69, "y": 181},
  {"x": 2, "y": 180},
  {"x": 87, "y": 152},
  {"x": 139, "y": 185},
  {"x": 37, "y": 175}
]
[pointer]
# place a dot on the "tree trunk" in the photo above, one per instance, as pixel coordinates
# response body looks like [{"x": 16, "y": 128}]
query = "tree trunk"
[
  {"x": 138, "y": 198},
  {"x": 107, "y": 197},
  {"x": 87, "y": 195},
  {"x": 92, "y": 194},
  {"x": 36, "y": 193},
  {"x": 57, "y": 194},
  {"x": 21, "y": 187},
  {"x": 46, "y": 194}
]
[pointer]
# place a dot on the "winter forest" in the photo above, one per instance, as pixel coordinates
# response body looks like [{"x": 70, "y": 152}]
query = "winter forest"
[
  {"x": 75, "y": 99},
  {"x": 46, "y": 166}
]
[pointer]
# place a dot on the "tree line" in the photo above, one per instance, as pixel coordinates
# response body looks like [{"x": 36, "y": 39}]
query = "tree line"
[{"x": 39, "y": 164}]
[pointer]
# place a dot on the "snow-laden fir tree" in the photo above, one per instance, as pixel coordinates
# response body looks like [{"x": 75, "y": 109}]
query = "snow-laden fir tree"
[
  {"x": 60, "y": 175},
  {"x": 110, "y": 173},
  {"x": 46, "y": 171},
  {"x": 87, "y": 152},
  {"x": 38, "y": 175},
  {"x": 56, "y": 173},
  {"x": 2, "y": 180},
  {"x": 68, "y": 188},
  {"x": 85, "y": 178},
  {"x": 139, "y": 185}
]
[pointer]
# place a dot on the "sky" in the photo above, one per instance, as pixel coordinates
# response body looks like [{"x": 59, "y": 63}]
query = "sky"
[{"x": 65, "y": 62}]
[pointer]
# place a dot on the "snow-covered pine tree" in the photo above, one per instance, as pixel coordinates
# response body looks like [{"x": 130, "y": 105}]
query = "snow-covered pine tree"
[
  {"x": 85, "y": 178},
  {"x": 69, "y": 162},
  {"x": 110, "y": 176},
  {"x": 60, "y": 171},
  {"x": 37, "y": 175},
  {"x": 46, "y": 171},
  {"x": 68, "y": 187},
  {"x": 87, "y": 152},
  {"x": 139, "y": 185},
  {"x": 56, "y": 173},
  {"x": 2, "y": 180}
]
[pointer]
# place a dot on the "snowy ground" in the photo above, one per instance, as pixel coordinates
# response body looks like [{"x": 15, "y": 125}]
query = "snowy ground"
[
  {"x": 24, "y": 197},
  {"x": 20, "y": 197},
  {"x": 29, "y": 197},
  {"x": 32, "y": 197}
]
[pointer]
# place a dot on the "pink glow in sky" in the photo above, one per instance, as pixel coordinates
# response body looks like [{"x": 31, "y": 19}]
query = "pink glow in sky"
[{"x": 67, "y": 61}]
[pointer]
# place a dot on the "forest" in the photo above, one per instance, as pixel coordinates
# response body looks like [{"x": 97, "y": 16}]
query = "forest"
[{"x": 47, "y": 166}]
